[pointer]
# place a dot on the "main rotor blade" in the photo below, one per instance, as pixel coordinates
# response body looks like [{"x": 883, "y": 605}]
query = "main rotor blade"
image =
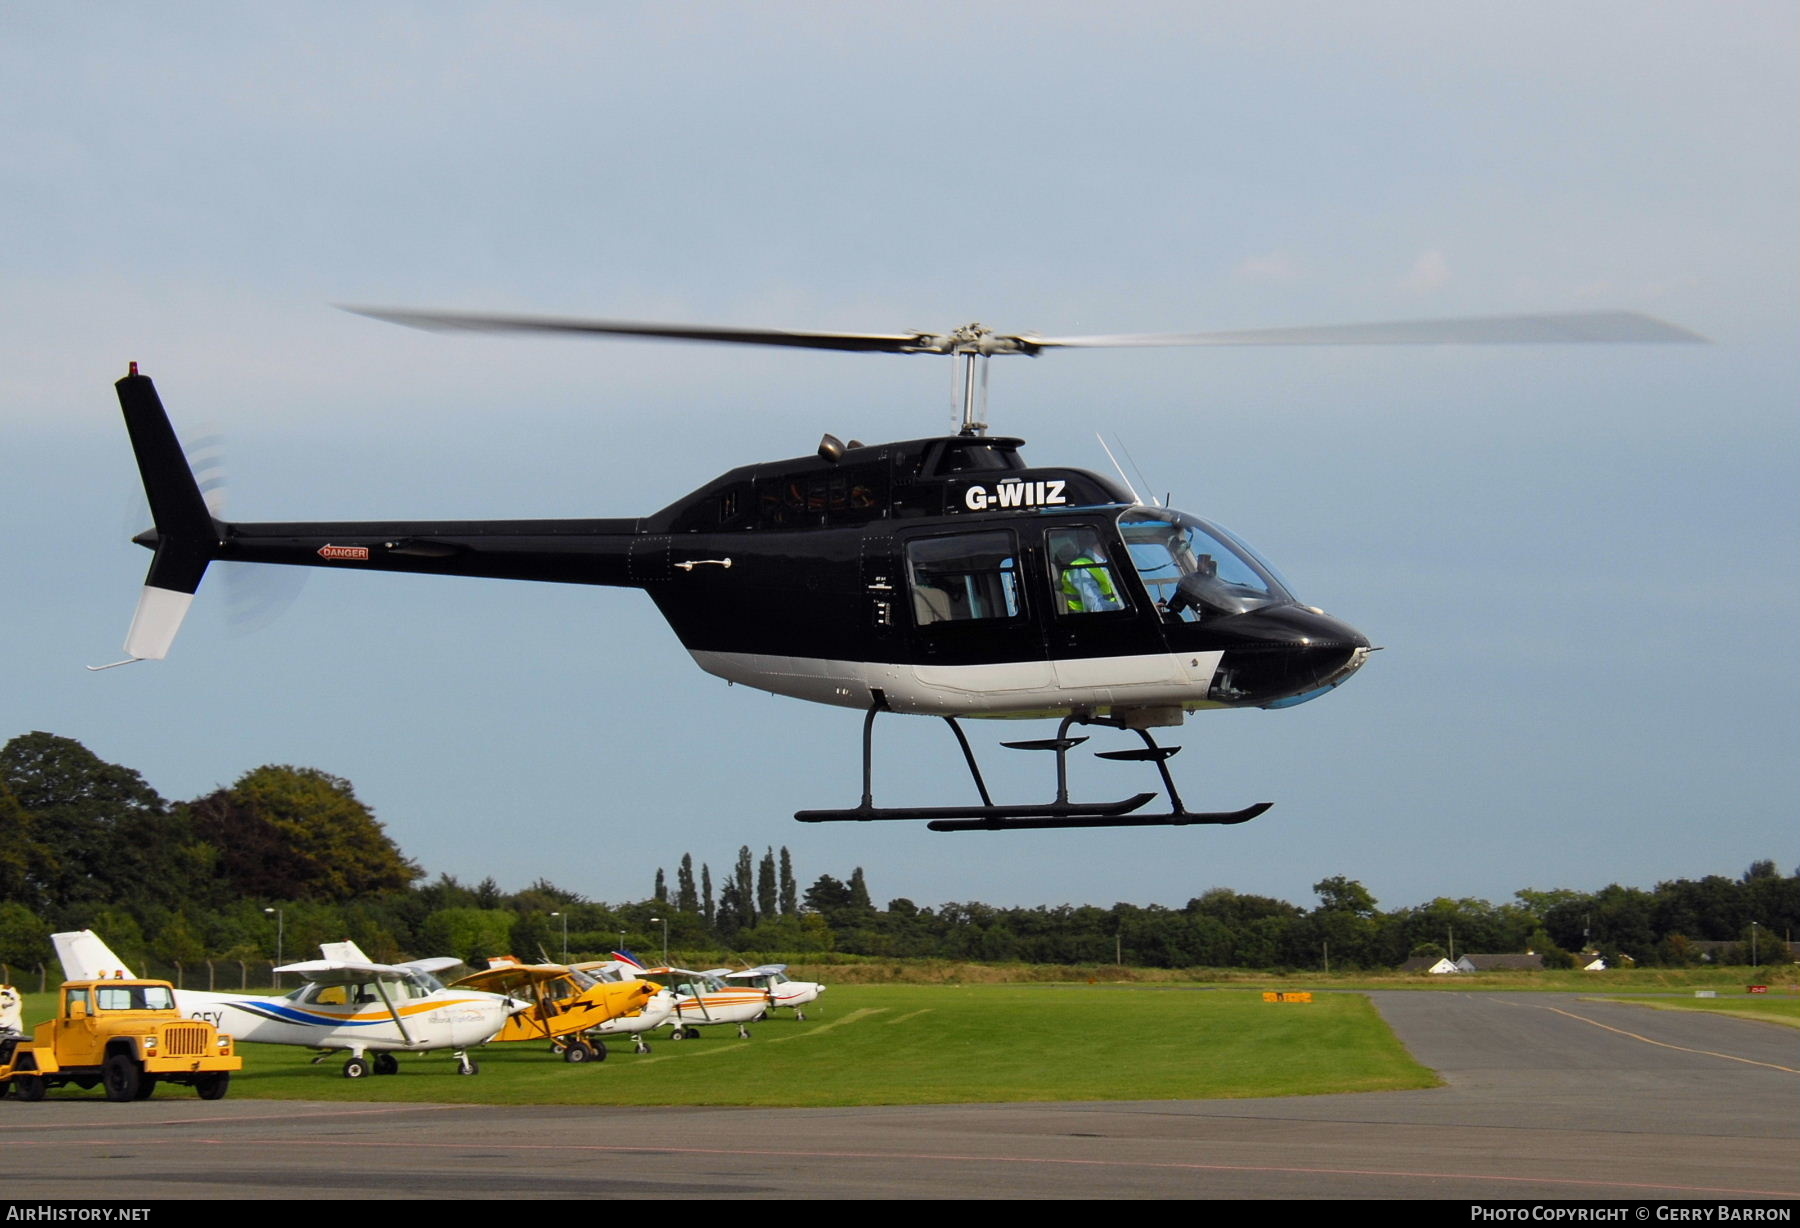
[
  {"x": 898, "y": 343},
  {"x": 1552, "y": 329}
]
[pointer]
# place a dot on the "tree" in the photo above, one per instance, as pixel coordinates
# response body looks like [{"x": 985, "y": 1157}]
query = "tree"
[
  {"x": 735, "y": 912},
  {"x": 27, "y": 868},
  {"x": 661, "y": 891},
  {"x": 768, "y": 902},
  {"x": 100, "y": 834},
  {"x": 827, "y": 896},
  {"x": 290, "y": 833},
  {"x": 746, "y": 886},
  {"x": 790, "y": 897},
  {"x": 859, "y": 890},
  {"x": 469, "y": 933},
  {"x": 685, "y": 898},
  {"x": 706, "y": 893},
  {"x": 1340, "y": 894},
  {"x": 24, "y": 938}
]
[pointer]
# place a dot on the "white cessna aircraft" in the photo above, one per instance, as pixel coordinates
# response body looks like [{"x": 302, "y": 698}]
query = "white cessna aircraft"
[
  {"x": 773, "y": 980},
  {"x": 348, "y": 1002}
]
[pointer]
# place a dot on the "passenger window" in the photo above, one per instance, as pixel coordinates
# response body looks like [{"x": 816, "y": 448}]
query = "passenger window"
[{"x": 965, "y": 578}]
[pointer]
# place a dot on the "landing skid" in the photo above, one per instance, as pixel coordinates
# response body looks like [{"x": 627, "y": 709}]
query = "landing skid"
[{"x": 1059, "y": 813}]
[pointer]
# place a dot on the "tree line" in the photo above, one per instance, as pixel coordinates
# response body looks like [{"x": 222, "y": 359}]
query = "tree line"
[{"x": 290, "y": 857}]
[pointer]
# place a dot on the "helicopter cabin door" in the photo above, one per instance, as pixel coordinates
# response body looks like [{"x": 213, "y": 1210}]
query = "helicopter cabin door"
[
  {"x": 974, "y": 641},
  {"x": 1101, "y": 633}
]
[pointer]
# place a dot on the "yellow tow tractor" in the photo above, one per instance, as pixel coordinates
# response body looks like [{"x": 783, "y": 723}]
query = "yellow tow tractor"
[{"x": 125, "y": 1034}]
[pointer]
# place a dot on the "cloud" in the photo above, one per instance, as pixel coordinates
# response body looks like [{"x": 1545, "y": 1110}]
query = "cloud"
[
  {"x": 1277, "y": 265},
  {"x": 1429, "y": 272}
]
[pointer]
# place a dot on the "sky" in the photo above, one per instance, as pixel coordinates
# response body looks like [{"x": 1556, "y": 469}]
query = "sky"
[{"x": 1580, "y": 562}]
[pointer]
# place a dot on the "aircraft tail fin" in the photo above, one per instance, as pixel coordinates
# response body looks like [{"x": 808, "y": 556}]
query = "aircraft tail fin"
[
  {"x": 185, "y": 535},
  {"x": 85, "y": 958},
  {"x": 344, "y": 952}
]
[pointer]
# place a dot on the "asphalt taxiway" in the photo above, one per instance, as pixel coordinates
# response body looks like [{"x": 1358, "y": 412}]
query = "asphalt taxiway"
[{"x": 1547, "y": 1096}]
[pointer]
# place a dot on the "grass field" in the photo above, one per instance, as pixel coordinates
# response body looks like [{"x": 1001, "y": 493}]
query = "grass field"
[
  {"x": 916, "y": 1044},
  {"x": 1745, "y": 1006}
]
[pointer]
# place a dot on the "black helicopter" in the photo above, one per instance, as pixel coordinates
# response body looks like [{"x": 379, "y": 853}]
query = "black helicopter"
[{"x": 939, "y": 576}]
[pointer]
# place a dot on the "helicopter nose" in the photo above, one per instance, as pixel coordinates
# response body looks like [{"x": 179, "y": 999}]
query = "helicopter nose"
[{"x": 1280, "y": 656}]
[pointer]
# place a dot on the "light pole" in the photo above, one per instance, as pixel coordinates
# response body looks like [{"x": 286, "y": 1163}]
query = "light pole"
[
  {"x": 280, "y": 933},
  {"x": 665, "y": 925},
  {"x": 565, "y": 921}
]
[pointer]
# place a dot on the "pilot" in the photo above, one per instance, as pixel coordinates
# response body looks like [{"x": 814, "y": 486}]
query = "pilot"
[{"x": 1195, "y": 586}]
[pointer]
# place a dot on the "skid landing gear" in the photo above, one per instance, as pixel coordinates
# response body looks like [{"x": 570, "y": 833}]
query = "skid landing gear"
[{"x": 1059, "y": 813}]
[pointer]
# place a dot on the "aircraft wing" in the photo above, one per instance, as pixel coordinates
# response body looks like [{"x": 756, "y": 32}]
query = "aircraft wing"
[
  {"x": 437, "y": 963},
  {"x": 510, "y": 977},
  {"x": 347, "y": 972}
]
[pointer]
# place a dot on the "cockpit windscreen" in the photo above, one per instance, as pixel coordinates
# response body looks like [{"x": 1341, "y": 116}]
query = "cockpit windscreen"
[{"x": 1194, "y": 570}]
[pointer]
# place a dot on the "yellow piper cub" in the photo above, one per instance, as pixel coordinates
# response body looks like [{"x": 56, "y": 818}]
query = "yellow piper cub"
[
  {"x": 125, "y": 1034},
  {"x": 565, "y": 1003}
]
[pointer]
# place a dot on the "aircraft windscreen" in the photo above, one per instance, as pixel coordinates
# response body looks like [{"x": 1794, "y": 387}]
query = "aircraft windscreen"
[{"x": 1194, "y": 570}]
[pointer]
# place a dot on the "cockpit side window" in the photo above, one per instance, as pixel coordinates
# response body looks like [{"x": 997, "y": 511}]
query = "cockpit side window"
[{"x": 1081, "y": 575}]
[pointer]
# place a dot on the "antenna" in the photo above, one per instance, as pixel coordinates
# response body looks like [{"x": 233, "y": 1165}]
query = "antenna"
[{"x": 1135, "y": 497}]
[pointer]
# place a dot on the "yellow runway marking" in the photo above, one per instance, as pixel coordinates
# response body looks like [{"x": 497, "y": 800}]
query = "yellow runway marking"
[
  {"x": 855, "y": 1016},
  {"x": 840, "y": 1021},
  {"x": 909, "y": 1015}
]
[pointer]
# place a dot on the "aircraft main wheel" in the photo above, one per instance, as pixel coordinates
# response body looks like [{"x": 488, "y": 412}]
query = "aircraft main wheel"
[
  {"x": 577, "y": 1052},
  {"x": 678, "y": 1034},
  {"x": 356, "y": 1068},
  {"x": 146, "y": 1087},
  {"x": 599, "y": 1048},
  {"x": 386, "y": 1064},
  {"x": 213, "y": 1086},
  {"x": 31, "y": 1087},
  {"x": 122, "y": 1076}
]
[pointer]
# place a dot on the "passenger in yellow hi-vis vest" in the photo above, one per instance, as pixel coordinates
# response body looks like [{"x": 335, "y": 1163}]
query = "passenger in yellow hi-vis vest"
[{"x": 1087, "y": 585}]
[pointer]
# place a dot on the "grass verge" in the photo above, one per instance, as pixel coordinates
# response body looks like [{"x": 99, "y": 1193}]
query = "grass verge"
[
  {"x": 1785, "y": 1011},
  {"x": 920, "y": 1044}
]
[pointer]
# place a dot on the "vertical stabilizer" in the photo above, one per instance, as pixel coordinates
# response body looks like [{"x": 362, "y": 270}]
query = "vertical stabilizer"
[
  {"x": 85, "y": 958},
  {"x": 186, "y": 533}
]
